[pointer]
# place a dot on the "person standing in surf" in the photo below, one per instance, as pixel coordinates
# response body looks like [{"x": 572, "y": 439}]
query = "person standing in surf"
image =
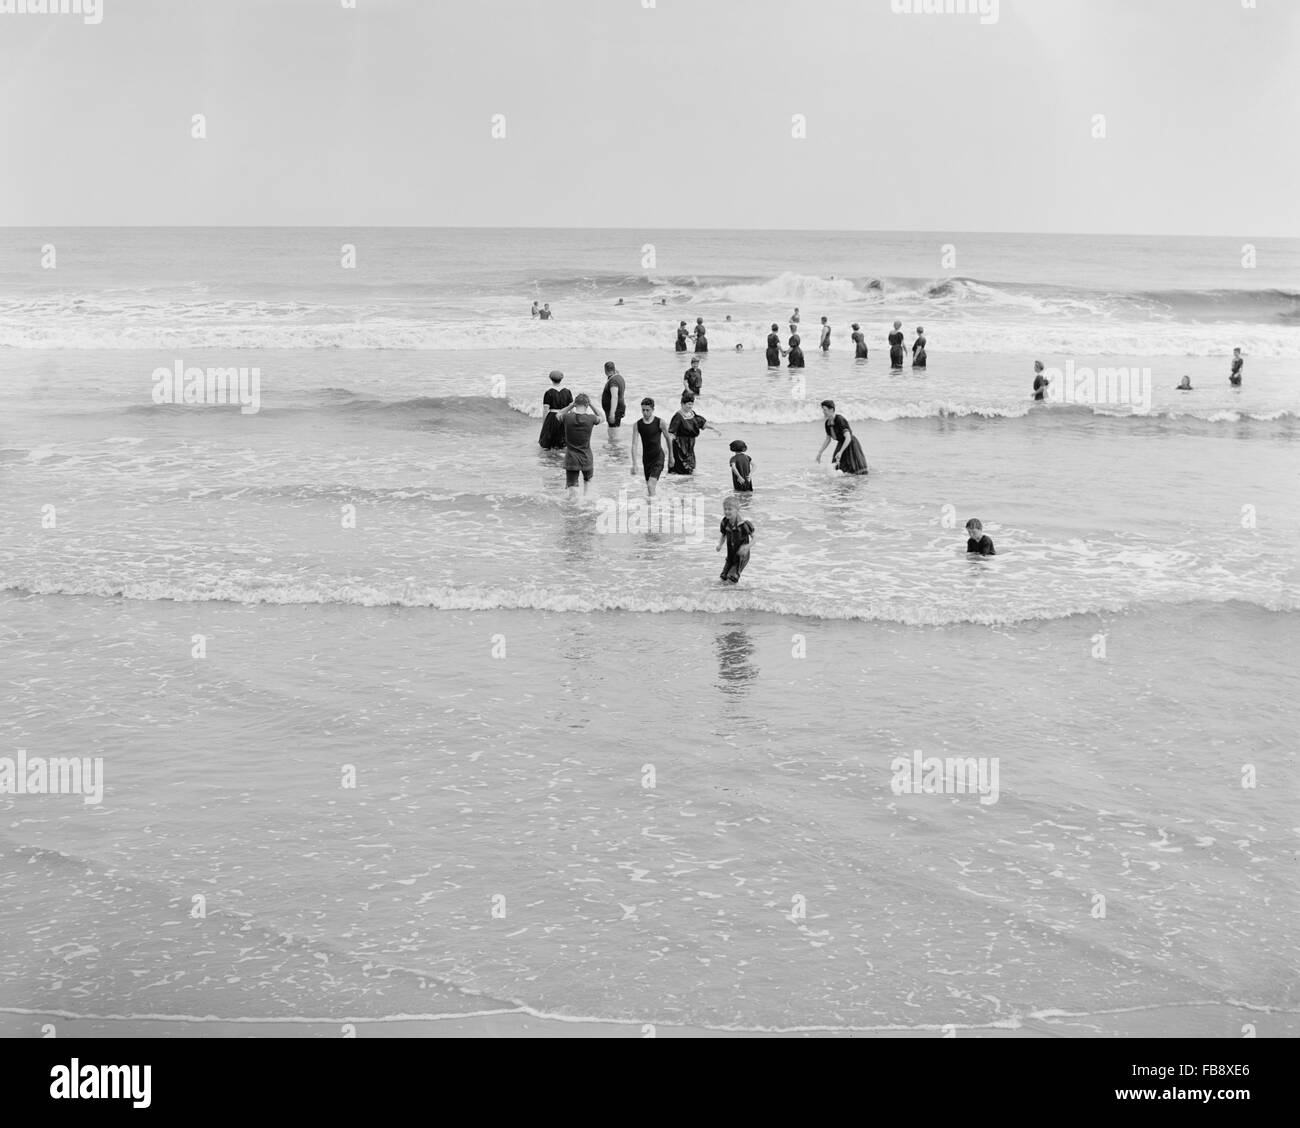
[
  {"x": 655, "y": 443},
  {"x": 578, "y": 420},
  {"x": 859, "y": 342},
  {"x": 701, "y": 338},
  {"x": 555, "y": 398},
  {"x": 1041, "y": 382},
  {"x": 773, "y": 348},
  {"x": 693, "y": 378},
  {"x": 794, "y": 320},
  {"x": 1238, "y": 363},
  {"x": 686, "y": 425},
  {"x": 896, "y": 346},
  {"x": 918, "y": 349},
  {"x": 826, "y": 336},
  {"x": 737, "y": 535},
  {"x": 682, "y": 334},
  {"x": 535, "y": 307},
  {"x": 795, "y": 353},
  {"x": 742, "y": 467},
  {"x": 848, "y": 456},
  {"x": 614, "y": 385},
  {"x": 545, "y": 312}
]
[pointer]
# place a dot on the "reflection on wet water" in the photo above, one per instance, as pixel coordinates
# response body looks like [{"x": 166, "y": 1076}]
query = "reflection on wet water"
[{"x": 736, "y": 667}]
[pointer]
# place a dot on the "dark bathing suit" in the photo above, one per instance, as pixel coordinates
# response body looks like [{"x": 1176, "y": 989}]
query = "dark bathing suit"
[
  {"x": 694, "y": 378},
  {"x": 652, "y": 451},
  {"x": 552, "y": 435},
  {"x": 1040, "y": 386},
  {"x": 607, "y": 400},
  {"x": 860, "y": 345},
  {"x": 681, "y": 340},
  {"x": 984, "y": 546},
  {"x": 896, "y": 349},
  {"x": 852, "y": 460},
  {"x": 796, "y": 355},
  {"x": 918, "y": 353},
  {"x": 737, "y": 538},
  {"x": 773, "y": 351},
  {"x": 1235, "y": 378},
  {"x": 701, "y": 341},
  {"x": 683, "y": 431},
  {"x": 577, "y": 451},
  {"x": 740, "y": 464}
]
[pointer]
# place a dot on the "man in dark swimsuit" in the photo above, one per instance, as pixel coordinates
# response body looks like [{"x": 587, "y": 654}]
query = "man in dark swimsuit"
[
  {"x": 613, "y": 381},
  {"x": 656, "y": 445},
  {"x": 1040, "y": 381},
  {"x": 578, "y": 418},
  {"x": 1238, "y": 362}
]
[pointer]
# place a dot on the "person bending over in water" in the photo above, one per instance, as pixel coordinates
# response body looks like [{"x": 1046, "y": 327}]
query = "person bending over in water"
[
  {"x": 773, "y": 348},
  {"x": 578, "y": 418},
  {"x": 555, "y": 398},
  {"x": 796, "y": 353},
  {"x": 682, "y": 334},
  {"x": 1040, "y": 382},
  {"x": 684, "y": 428},
  {"x": 737, "y": 535},
  {"x": 1186, "y": 384},
  {"x": 859, "y": 342},
  {"x": 896, "y": 346},
  {"x": 701, "y": 338},
  {"x": 693, "y": 378},
  {"x": 977, "y": 540},
  {"x": 652, "y": 437},
  {"x": 825, "y": 342},
  {"x": 1238, "y": 362},
  {"x": 918, "y": 349},
  {"x": 614, "y": 383},
  {"x": 742, "y": 468},
  {"x": 848, "y": 456}
]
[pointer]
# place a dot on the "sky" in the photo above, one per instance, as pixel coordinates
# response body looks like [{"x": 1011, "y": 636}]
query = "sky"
[{"x": 657, "y": 113}]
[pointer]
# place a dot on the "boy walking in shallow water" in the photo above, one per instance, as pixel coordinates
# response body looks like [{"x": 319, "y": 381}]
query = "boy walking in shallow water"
[{"x": 737, "y": 535}]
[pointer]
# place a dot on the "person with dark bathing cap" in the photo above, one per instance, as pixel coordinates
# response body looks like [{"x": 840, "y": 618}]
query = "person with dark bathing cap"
[
  {"x": 652, "y": 437},
  {"x": 742, "y": 468},
  {"x": 848, "y": 456},
  {"x": 578, "y": 419},
  {"x": 859, "y": 342},
  {"x": 613, "y": 383},
  {"x": 693, "y": 378},
  {"x": 701, "y": 338},
  {"x": 773, "y": 348},
  {"x": 682, "y": 334},
  {"x": 552, "y": 436},
  {"x": 686, "y": 425},
  {"x": 896, "y": 346},
  {"x": 796, "y": 353},
  {"x": 918, "y": 349}
]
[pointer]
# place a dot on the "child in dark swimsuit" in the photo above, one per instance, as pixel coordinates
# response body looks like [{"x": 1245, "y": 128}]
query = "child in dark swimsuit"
[
  {"x": 977, "y": 541},
  {"x": 742, "y": 468},
  {"x": 796, "y": 353},
  {"x": 737, "y": 535}
]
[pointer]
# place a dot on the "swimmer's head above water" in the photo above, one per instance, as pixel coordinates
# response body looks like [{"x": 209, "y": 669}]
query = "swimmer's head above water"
[{"x": 556, "y": 375}]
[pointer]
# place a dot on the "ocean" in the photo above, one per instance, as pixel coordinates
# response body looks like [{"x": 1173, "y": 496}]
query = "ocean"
[{"x": 427, "y": 738}]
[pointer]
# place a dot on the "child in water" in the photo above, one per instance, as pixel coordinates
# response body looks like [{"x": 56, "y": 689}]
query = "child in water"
[
  {"x": 977, "y": 541},
  {"x": 737, "y": 535},
  {"x": 1186, "y": 385},
  {"x": 742, "y": 468}
]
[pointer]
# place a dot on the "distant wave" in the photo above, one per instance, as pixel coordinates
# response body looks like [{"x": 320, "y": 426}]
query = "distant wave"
[{"x": 532, "y": 598}]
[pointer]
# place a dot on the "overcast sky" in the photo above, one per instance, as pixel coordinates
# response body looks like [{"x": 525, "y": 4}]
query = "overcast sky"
[{"x": 673, "y": 116}]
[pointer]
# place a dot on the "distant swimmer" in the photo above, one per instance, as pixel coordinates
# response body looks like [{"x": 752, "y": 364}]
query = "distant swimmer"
[
  {"x": 859, "y": 342},
  {"x": 615, "y": 386},
  {"x": 535, "y": 308},
  {"x": 794, "y": 320},
  {"x": 682, "y": 334},
  {"x": 826, "y": 336},
  {"x": 1186, "y": 384},
  {"x": 742, "y": 467},
  {"x": 739, "y": 347},
  {"x": 578, "y": 419},
  {"x": 619, "y": 302},
  {"x": 545, "y": 312},
  {"x": 693, "y": 378},
  {"x": 1238, "y": 363},
  {"x": 847, "y": 456},
  {"x": 554, "y": 399},
  {"x": 773, "y": 348},
  {"x": 686, "y": 425},
  {"x": 977, "y": 541},
  {"x": 737, "y": 535},
  {"x": 1040, "y": 382},
  {"x": 918, "y": 349},
  {"x": 896, "y": 346},
  {"x": 655, "y": 443},
  {"x": 728, "y": 317},
  {"x": 701, "y": 339},
  {"x": 795, "y": 352}
]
